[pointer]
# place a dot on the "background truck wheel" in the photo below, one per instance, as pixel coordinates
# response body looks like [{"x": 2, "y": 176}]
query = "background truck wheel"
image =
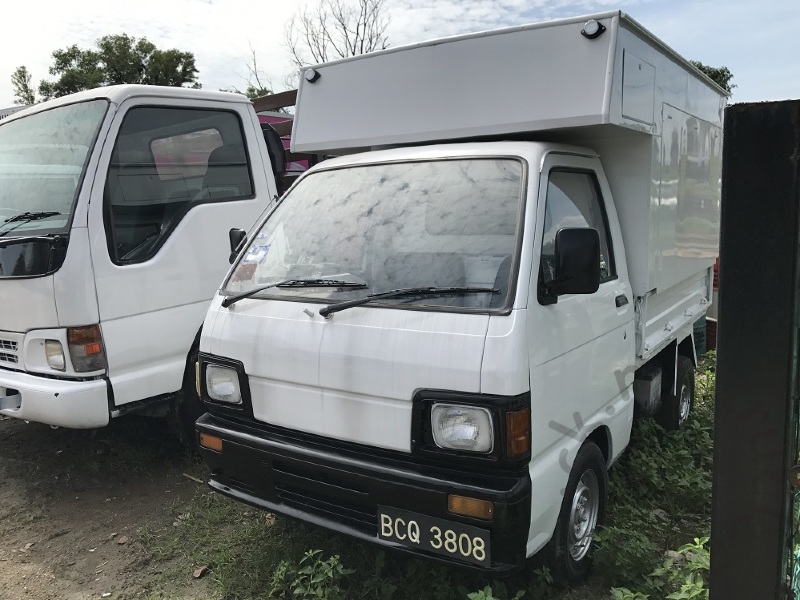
[
  {"x": 186, "y": 407},
  {"x": 675, "y": 409},
  {"x": 583, "y": 509}
]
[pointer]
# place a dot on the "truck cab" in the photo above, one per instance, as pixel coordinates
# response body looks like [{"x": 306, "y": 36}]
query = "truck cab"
[
  {"x": 439, "y": 345},
  {"x": 115, "y": 211}
]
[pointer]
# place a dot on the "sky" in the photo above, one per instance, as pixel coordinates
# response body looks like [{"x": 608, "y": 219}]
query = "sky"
[{"x": 759, "y": 41}]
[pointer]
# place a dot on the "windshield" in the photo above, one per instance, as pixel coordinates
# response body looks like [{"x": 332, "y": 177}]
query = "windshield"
[
  {"x": 443, "y": 223},
  {"x": 42, "y": 158}
]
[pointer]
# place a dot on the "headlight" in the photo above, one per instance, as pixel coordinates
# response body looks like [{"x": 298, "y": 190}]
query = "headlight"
[
  {"x": 222, "y": 384},
  {"x": 459, "y": 427},
  {"x": 54, "y": 352}
]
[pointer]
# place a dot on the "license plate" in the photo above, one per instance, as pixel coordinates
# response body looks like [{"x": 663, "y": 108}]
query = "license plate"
[{"x": 448, "y": 538}]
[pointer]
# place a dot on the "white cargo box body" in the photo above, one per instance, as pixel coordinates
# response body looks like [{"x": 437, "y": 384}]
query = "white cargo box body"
[{"x": 654, "y": 120}]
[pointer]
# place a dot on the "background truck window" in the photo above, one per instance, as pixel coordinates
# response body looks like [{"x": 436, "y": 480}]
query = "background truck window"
[{"x": 165, "y": 161}]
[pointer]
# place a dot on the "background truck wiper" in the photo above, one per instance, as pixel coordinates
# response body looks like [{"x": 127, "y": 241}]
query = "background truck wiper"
[
  {"x": 296, "y": 283},
  {"x": 31, "y": 216},
  {"x": 51, "y": 237},
  {"x": 418, "y": 291},
  {"x": 27, "y": 217}
]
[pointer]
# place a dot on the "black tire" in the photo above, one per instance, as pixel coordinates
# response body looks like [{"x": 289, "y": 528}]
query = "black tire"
[
  {"x": 187, "y": 407},
  {"x": 569, "y": 562},
  {"x": 675, "y": 409}
]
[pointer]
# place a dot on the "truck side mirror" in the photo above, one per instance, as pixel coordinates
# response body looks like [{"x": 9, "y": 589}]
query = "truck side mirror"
[
  {"x": 576, "y": 263},
  {"x": 237, "y": 237}
]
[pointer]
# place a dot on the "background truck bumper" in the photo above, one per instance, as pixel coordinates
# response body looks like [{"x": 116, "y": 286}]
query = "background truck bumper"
[
  {"x": 73, "y": 404},
  {"x": 342, "y": 488}
]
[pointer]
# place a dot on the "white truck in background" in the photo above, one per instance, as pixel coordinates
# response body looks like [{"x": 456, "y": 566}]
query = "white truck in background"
[
  {"x": 118, "y": 210},
  {"x": 438, "y": 345}
]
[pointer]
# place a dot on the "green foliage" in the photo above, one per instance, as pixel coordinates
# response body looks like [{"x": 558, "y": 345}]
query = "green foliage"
[
  {"x": 487, "y": 594},
  {"x": 116, "y": 59},
  {"x": 660, "y": 491},
  {"x": 720, "y": 75},
  {"x": 24, "y": 93},
  {"x": 312, "y": 579},
  {"x": 683, "y": 575}
]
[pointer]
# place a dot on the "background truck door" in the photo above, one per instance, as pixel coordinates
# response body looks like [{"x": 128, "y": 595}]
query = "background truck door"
[{"x": 173, "y": 180}]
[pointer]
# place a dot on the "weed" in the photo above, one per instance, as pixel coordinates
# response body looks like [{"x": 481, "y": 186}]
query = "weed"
[{"x": 312, "y": 579}]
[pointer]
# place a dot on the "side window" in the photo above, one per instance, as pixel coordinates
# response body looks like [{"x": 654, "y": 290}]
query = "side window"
[
  {"x": 165, "y": 161},
  {"x": 573, "y": 200}
]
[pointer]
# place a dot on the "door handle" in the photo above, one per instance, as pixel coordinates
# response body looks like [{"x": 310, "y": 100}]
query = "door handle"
[{"x": 621, "y": 300}]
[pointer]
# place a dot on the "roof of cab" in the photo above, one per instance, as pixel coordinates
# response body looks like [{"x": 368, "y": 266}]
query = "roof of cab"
[{"x": 120, "y": 93}]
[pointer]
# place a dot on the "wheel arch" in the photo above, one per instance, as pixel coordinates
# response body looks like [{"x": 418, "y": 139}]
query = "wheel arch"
[{"x": 601, "y": 436}]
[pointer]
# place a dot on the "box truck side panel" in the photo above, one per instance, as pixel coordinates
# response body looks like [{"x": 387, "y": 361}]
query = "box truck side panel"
[{"x": 532, "y": 78}]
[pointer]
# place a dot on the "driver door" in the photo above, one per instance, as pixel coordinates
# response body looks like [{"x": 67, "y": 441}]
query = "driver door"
[{"x": 175, "y": 178}]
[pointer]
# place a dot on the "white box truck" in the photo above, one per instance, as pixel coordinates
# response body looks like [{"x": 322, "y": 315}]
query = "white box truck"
[
  {"x": 116, "y": 211},
  {"x": 437, "y": 345}
]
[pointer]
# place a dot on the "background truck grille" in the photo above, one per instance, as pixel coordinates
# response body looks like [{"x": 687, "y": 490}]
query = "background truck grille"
[
  {"x": 9, "y": 349},
  {"x": 6, "y": 357}
]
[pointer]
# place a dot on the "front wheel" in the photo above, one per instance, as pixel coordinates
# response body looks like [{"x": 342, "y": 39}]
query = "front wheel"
[
  {"x": 675, "y": 408},
  {"x": 583, "y": 509},
  {"x": 187, "y": 407}
]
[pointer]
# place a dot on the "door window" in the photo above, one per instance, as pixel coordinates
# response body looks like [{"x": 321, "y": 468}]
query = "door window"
[
  {"x": 574, "y": 200},
  {"x": 165, "y": 161}
]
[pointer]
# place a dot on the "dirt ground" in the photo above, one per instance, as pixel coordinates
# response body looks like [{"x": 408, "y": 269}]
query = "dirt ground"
[{"x": 75, "y": 505}]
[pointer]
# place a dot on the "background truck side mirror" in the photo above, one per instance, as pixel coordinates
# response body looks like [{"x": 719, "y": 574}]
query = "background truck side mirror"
[
  {"x": 576, "y": 263},
  {"x": 237, "y": 237},
  {"x": 277, "y": 154}
]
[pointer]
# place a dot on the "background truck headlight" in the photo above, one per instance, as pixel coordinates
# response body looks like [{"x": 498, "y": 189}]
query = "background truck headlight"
[
  {"x": 460, "y": 427},
  {"x": 222, "y": 384},
  {"x": 54, "y": 352}
]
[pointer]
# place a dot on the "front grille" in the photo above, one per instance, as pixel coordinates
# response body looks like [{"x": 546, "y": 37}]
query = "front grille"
[
  {"x": 324, "y": 493},
  {"x": 9, "y": 358},
  {"x": 327, "y": 506},
  {"x": 10, "y": 345}
]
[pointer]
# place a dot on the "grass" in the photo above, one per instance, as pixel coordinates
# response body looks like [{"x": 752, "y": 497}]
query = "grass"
[{"x": 660, "y": 494}]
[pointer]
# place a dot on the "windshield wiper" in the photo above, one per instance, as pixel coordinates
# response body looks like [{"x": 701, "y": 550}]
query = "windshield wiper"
[
  {"x": 31, "y": 216},
  {"x": 50, "y": 237},
  {"x": 296, "y": 283},
  {"x": 26, "y": 217},
  {"x": 417, "y": 291}
]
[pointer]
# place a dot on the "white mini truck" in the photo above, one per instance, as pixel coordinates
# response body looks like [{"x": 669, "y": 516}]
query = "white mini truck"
[
  {"x": 116, "y": 211},
  {"x": 438, "y": 345}
]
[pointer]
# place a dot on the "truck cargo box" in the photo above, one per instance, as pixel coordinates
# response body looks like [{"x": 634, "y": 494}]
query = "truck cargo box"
[{"x": 654, "y": 119}]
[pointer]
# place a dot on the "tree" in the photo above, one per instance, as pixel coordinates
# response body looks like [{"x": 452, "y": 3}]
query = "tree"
[
  {"x": 118, "y": 59},
  {"x": 24, "y": 93},
  {"x": 336, "y": 29},
  {"x": 720, "y": 75},
  {"x": 258, "y": 84}
]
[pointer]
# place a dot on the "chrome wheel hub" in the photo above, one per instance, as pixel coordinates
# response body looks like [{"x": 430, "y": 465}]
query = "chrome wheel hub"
[
  {"x": 684, "y": 404},
  {"x": 583, "y": 516}
]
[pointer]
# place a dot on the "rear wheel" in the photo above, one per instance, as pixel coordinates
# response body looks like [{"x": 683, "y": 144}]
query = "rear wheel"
[
  {"x": 568, "y": 554},
  {"x": 675, "y": 408}
]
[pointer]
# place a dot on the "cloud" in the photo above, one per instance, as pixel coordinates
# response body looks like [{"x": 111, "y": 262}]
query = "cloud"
[{"x": 757, "y": 41}]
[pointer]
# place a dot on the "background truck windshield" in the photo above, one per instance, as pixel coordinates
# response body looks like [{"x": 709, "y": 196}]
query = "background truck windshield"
[
  {"x": 444, "y": 223},
  {"x": 42, "y": 158}
]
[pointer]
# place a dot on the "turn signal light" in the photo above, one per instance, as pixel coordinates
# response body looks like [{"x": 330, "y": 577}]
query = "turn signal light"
[
  {"x": 211, "y": 442},
  {"x": 518, "y": 433},
  {"x": 470, "y": 507},
  {"x": 86, "y": 348}
]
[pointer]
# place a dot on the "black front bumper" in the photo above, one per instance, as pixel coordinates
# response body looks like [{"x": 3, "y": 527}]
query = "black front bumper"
[{"x": 340, "y": 488}]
